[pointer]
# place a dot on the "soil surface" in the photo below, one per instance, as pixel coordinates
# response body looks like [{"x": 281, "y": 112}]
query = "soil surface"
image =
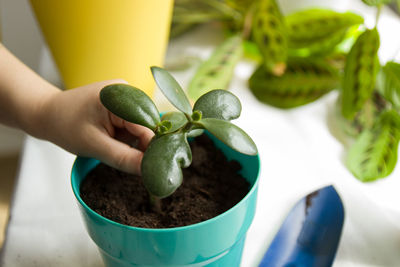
[{"x": 211, "y": 186}]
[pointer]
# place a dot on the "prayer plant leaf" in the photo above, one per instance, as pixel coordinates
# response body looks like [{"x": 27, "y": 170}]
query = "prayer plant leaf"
[
  {"x": 323, "y": 46},
  {"x": 389, "y": 82},
  {"x": 171, "y": 89},
  {"x": 360, "y": 73},
  {"x": 374, "y": 154},
  {"x": 314, "y": 28},
  {"x": 269, "y": 33},
  {"x": 364, "y": 118},
  {"x": 303, "y": 82},
  {"x": 216, "y": 72},
  {"x": 376, "y": 2},
  {"x": 219, "y": 104},
  {"x": 231, "y": 135},
  {"x": 130, "y": 104},
  {"x": 163, "y": 162},
  {"x": 177, "y": 119}
]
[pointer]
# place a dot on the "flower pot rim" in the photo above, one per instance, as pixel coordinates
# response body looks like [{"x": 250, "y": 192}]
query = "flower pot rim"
[{"x": 76, "y": 190}]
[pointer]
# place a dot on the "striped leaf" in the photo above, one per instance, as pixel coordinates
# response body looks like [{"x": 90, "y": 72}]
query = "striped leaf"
[
  {"x": 217, "y": 71},
  {"x": 376, "y": 2},
  {"x": 389, "y": 82},
  {"x": 270, "y": 35},
  {"x": 303, "y": 82},
  {"x": 319, "y": 28},
  {"x": 365, "y": 118},
  {"x": 374, "y": 154},
  {"x": 360, "y": 73}
]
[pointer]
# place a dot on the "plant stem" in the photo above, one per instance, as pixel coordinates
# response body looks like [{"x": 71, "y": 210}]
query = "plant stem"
[
  {"x": 155, "y": 204},
  {"x": 378, "y": 14},
  {"x": 248, "y": 23}
]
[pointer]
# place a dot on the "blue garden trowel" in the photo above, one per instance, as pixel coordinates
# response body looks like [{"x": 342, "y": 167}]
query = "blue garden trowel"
[{"x": 309, "y": 236}]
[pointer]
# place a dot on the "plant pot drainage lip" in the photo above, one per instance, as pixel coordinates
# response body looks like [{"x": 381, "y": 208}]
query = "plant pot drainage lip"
[{"x": 171, "y": 229}]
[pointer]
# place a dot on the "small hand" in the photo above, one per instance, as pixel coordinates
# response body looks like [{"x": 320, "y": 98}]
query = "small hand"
[{"x": 77, "y": 121}]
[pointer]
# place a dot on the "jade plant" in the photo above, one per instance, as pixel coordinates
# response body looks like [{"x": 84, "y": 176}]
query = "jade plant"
[{"x": 169, "y": 150}]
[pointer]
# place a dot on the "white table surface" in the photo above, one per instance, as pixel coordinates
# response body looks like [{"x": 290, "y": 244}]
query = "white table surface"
[{"x": 299, "y": 154}]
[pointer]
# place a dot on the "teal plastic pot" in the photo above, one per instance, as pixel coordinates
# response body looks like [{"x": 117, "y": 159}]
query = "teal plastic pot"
[{"x": 215, "y": 242}]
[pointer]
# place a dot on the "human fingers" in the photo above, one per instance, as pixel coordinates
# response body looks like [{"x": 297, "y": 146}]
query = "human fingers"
[{"x": 117, "y": 154}]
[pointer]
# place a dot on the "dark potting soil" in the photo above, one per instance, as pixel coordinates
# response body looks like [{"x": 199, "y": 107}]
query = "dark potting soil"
[{"x": 211, "y": 186}]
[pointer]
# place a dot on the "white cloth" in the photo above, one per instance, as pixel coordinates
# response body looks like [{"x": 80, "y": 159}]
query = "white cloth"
[{"x": 298, "y": 153}]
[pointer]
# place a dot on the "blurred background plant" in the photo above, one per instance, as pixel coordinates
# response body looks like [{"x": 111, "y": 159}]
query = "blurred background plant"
[{"x": 301, "y": 57}]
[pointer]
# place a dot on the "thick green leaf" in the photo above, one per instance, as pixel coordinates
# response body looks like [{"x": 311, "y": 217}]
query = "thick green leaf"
[
  {"x": 270, "y": 35},
  {"x": 219, "y": 104},
  {"x": 360, "y": 72},
  {"x": 171, "y": 89},
  {"x": 303, "y": 82},
  {"x": 314, "y": 27},
  {"x": 376, "y": 2},
  {"x": 231, "y": 135},
  {"x": 130, "y": 104},
  {"x": 177, "y": 119},
  {"x": 374, "y": 154},
  {"x": 389, "y": 82},
  {"x": 217, "y": 71},
  {"x": 163, "y": 162}
]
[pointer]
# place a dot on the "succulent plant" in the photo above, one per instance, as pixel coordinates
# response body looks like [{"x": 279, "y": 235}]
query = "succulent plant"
[{"x": 169, "y": 150}]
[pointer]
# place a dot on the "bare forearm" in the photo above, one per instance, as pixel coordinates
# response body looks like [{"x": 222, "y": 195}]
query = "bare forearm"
[{"x": 22, "y": 92}]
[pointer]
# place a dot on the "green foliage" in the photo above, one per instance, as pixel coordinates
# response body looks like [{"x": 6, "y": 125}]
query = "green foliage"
[
  {"x": 306, "y": 54},
  {"x": 389, "y": 82},
  {"x": 171, "y": 89},
  {"x": 365, "y": 118},
  {"x": 269, "y": 33},
  {"x": 319, "y": 29},
  {"x": 231, "y": 135},
  {"x": 163, "y": 162},
  {"x": 376, "y": 2},
  {"x": 169, "y": 151},
  {"x": 131, "y": 104},
  {"x": 360, "y": 72},
  {"x": 303, "y": 82},
  {"x": 219, "y": 104},
  {"x": 177, "y": 119},
  {"x": 217, "y": 71},
  {"x": 374, "y": 154}
]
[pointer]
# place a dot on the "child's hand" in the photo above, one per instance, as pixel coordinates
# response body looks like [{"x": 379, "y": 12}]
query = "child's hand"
[{"x": 78, "y": 122}]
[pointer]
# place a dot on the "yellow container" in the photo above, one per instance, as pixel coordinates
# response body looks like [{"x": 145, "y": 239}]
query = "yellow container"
[{"x": 94, "y": 40}]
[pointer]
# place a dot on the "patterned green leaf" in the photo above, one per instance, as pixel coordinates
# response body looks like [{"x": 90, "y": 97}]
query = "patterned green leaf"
[
  {"x": 374, "y": 154},
  {"x": 303, "y": 82},
  {"x": 231, "y": 135},
  {"x": 163, "y": 162},
  {"x": 376, "y": 2},
  {"x": 269, "y": 33},
  {"x": 130, "y": 104},
  {"x": 320, "y": 47},
  {"x": 217, "y": 71},
  {"x": 219, "y": 104},
  {"x": 389, "y": 82},
  {"x": 171, "y": 89},
  {"x": 360, "y": 72},
  {"x": 365, "y": 118},
  {"x": 310, "y": 27}
]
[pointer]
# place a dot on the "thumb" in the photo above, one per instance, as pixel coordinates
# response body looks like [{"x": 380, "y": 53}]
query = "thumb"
[{"x": 117, "y": 154}]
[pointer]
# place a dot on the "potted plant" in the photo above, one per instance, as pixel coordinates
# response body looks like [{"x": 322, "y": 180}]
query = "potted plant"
[{"x": 215, "y": 242}]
